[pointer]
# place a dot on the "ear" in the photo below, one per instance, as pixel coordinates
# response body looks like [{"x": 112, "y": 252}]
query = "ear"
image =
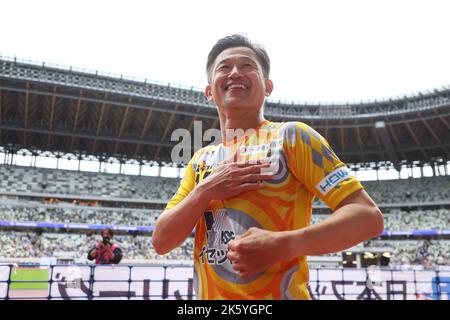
[
  {"x": 208, "y": 93},
  {"x": 269, "y": 87}
]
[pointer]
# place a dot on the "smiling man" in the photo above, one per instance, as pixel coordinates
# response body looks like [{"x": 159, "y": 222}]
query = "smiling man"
[{"x": 250, "y": 197}]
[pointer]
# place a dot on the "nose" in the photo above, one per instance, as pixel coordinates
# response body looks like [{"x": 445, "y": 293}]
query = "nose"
[{"x": 235, "y": 72}]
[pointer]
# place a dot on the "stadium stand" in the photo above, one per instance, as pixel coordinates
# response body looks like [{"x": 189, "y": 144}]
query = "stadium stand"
[
  {"x": 21, "y": 211},
  {"x": 427, "y": 253},
  {"x": 15, "y": 179},
  {"x": 394, "y": 219},
  {"x": 31, "y": 245}
]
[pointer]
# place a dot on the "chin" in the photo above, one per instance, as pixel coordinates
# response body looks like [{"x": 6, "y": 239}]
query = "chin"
[
  {"x": 236, "y": 103},
  {"x": 236, "y": 106}
]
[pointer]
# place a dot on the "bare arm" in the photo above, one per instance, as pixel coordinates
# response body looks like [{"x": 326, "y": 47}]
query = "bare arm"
[
  {"x": 173, "y": 226},
  {"x": 356, "y": 219},
  {"x": 93, "y": 253}
]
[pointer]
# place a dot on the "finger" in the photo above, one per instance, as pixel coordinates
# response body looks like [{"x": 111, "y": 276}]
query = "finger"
[
  {"x": 249, "y": 186},
  {"x": 250, "y": 163},
  {"x": 232, "y": 255},
  {"x": 239, "y": 267},
  {"x": 232, "y": 246},
  {"x": 255, "y": 177}
]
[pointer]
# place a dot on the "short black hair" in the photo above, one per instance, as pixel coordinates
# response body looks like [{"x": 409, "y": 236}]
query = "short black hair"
[{"x": 238, "y": 40}]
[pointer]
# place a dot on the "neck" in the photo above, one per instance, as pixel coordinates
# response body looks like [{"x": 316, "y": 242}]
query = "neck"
[{"x": 235, "y": 126}]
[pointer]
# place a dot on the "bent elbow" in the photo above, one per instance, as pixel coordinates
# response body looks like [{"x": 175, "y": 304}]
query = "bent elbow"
[
  {"x": 377, "y": 222},
  {"x": 160, "y": 250},
  {"x": 158, "y": 244}
]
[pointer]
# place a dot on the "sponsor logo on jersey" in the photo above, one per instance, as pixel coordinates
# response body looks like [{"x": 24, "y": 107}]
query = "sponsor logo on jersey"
[{"x": 332, "y": 180}]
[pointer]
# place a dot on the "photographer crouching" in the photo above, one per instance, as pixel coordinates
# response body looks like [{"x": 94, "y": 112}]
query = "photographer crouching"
[{"x": 106, "y": 252}]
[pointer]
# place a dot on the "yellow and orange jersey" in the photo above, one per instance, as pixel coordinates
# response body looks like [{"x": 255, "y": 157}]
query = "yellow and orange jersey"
[{"x": 305, "y": 167}]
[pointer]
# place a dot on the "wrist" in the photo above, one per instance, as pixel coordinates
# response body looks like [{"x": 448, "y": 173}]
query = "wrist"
[
  {"x": 202, "y": 193},
  {"x": 292, "y": 243}
]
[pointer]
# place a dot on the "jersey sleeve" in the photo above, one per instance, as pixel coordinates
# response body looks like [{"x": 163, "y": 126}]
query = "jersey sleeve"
[
  {"x": 316, "y": 166},
  {"x": 187, "y": 185}
]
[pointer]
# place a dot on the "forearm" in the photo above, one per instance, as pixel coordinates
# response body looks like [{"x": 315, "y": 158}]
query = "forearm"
[
  {"x": 116, "y": 255},
  {"x": 345, "y": 228},
  {"x": 110, "y": 251},
  {"x": 175, "y": 225}
]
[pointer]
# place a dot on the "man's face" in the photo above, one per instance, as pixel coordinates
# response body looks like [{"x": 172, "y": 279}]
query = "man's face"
[
  {"x": 237, "y": 81},
  {"x": 105, "y": 234}
]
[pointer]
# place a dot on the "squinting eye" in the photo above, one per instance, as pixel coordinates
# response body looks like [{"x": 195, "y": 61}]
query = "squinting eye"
[{"x": 248, "y": 66}]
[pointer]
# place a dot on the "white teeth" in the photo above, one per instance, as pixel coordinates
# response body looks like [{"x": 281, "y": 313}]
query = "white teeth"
[{"x": 233, "y": 86}]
